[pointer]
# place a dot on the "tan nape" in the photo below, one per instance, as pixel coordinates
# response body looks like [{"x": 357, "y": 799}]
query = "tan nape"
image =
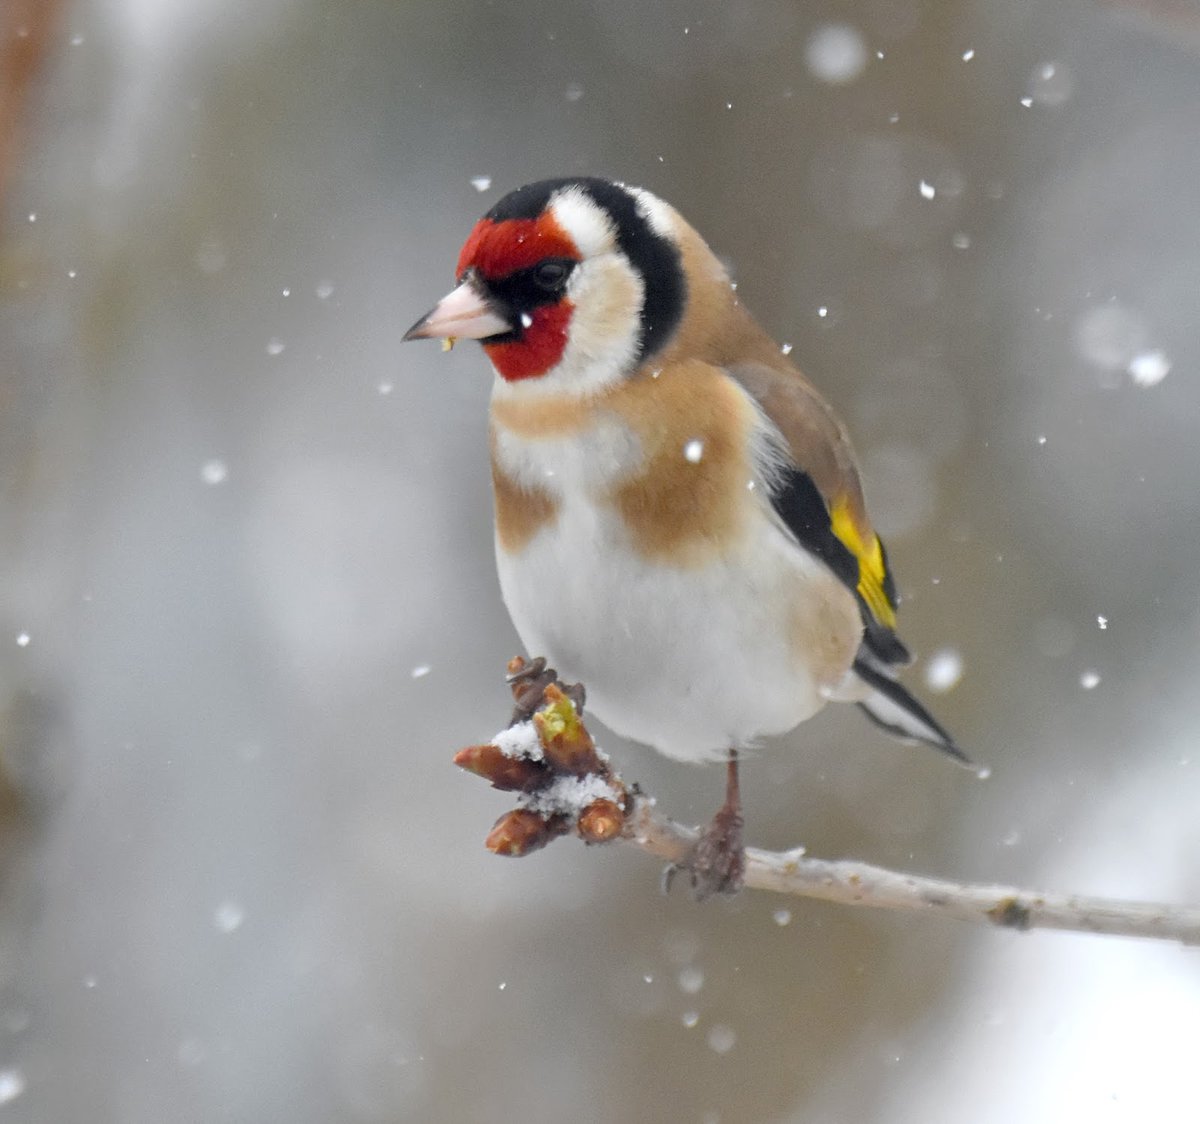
[{"x": 718, "y": 329}]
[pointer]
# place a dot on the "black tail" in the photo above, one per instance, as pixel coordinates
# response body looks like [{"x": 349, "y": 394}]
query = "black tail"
[{"x": 893, "y": 709}]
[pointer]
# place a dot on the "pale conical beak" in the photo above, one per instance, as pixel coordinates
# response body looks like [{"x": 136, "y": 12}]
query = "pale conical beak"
[{"x": 464, "y": 313}]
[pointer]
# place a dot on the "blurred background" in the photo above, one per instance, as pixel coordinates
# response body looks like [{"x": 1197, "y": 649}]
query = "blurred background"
[{"x": 248, "y": 609}]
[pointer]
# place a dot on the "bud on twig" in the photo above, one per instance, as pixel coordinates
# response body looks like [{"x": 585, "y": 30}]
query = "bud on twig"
[
  {"x": 600, "y": 822},
  {"x": 513, "y": 774},
  {"x": 568, "y": 746},
  {"x": 523, "y": 830}
]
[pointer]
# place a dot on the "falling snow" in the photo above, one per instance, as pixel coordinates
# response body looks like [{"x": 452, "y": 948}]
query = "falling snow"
[
  {"x": 1051, "y": 84},
  {"x": 721, "y": 1039},
  {"x": 968, "y": 54},
  {"x": 324, "y": 290},
  {"x": 1149, "y": 368},
  {"x": 526, "y": 320},
  {"x": 228, "y": 917},
  {"x": 22, "y": 639},
  {"x": 782, "y": 917},
  {"x": 12, "y": 1085},
  {"x": 691, "y": 980},
  {"x": 944, "y": 670},
  {"x": 420, "y": 671},
  {"x": 928, "y": 191},
  {"x": 693, "y": 451},
  {"x": 836, "y": 54},
  {"x": 214, "y": 472},
  {"x": 481, "y": 183},
  {"x": 1089, "y": 680},
  {"x": 275, "y": 346},
  {"x": 786, "y": 349}
]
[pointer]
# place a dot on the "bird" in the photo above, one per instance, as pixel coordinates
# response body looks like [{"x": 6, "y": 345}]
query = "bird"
[{"x": 680, "y": 520}]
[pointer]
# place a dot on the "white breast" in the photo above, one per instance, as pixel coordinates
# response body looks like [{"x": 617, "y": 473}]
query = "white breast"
[{"x": 691, "y": 661}]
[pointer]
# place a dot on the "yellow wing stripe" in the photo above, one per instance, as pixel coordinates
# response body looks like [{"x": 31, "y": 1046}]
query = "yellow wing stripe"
[{"x": 871, "y": 569}]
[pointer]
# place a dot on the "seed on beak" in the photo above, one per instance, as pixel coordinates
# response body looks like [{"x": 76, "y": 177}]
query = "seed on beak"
[{"x": 448, "y": 343}]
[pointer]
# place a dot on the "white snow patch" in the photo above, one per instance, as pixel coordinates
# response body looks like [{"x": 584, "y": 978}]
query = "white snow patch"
[
  {"x": 570, "y": 795},
  {"x": 519, "y": 741}
]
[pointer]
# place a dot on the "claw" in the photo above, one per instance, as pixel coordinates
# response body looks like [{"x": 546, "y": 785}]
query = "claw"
[{"x": 716, "y": 864}]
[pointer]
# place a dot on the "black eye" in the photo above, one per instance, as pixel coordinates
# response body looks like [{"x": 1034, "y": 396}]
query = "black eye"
[{"x": 551, "y": 275}]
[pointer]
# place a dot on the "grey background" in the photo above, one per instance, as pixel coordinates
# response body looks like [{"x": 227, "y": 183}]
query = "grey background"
[{"x": 241, "y": 879}]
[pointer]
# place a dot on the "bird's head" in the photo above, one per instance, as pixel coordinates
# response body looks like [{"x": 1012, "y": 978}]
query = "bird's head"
[{"x": 569, "y": 284}]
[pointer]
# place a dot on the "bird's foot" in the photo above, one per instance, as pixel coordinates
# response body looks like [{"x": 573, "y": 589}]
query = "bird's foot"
[{"x": 716, "y": 864}]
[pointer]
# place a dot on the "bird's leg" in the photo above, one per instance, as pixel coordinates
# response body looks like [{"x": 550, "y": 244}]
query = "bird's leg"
[{"x": 717, "y": 863}]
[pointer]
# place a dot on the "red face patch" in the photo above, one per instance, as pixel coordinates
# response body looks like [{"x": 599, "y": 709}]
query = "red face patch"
[
  {"x": 540, "y": 347},
  {"x": 497, "y": 249}
]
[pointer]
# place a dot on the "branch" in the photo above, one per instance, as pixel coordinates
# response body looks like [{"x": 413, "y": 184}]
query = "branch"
[
  {"x": 854, "y": 883},
  {"x": 566, "y": 784}
]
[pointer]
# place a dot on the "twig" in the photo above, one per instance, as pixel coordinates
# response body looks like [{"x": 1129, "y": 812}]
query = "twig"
[
  {"x": 567, "y": 785},
  {"x": 854, "y": 883}
]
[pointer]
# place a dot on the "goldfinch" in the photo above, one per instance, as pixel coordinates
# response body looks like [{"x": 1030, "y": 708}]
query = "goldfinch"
[{"x": 680, "y": 522}]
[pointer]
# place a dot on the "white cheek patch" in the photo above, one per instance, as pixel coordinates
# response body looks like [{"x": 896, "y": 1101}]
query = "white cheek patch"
[
  {"x": 602, "y": 336},
  {"x": 605, "y": 327},
  {"x": 658, "y": 214},
  {"x": 585, "y": 221}
]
